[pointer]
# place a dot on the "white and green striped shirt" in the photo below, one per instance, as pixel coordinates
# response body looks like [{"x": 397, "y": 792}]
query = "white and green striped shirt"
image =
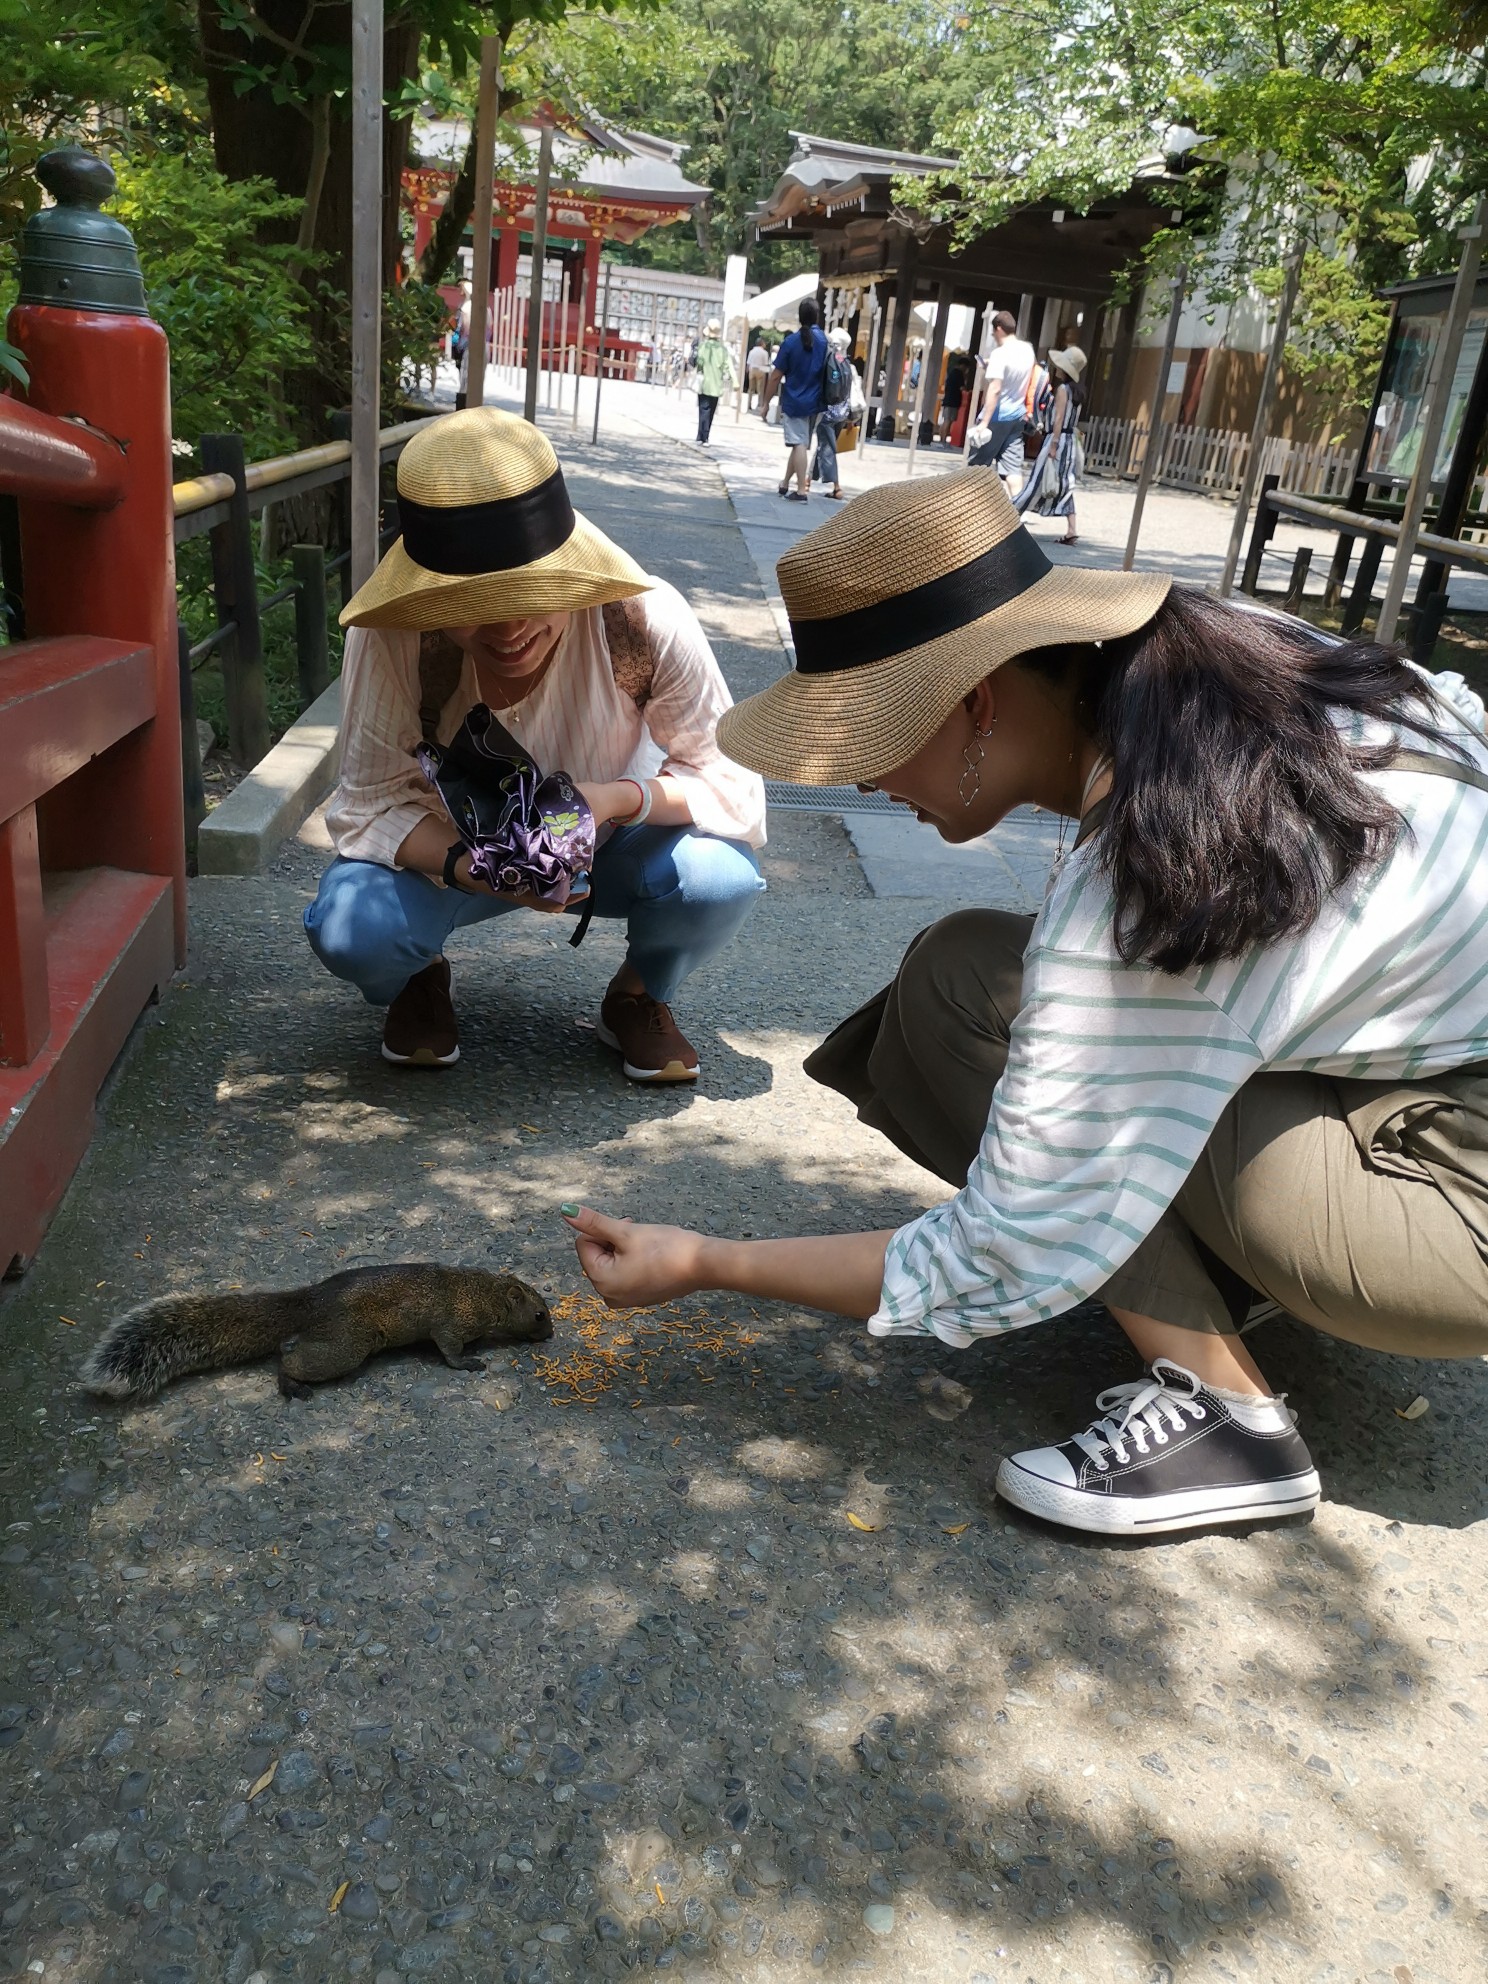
[{"x": 1116, "y": 1075}]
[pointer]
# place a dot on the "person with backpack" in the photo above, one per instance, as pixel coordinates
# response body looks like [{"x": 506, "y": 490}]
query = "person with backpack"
[
  {"x": 499, "y": 593},
  {"x": 800, "y": 365},
  {"x": 843, "y": 393}
]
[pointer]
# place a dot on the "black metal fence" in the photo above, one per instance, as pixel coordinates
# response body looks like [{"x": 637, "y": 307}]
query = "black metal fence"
[
  {"x": 1349, "y": 522},
  {"x": 220, "y": 504}
]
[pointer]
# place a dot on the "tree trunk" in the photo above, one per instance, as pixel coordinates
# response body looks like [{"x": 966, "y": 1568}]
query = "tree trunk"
[
  {"x": 443, "y": 244},
  {"x": 255, "y": 137}
]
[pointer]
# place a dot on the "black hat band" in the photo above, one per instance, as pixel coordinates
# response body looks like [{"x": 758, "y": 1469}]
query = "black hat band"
[
  {"x": 924, "y": 613},
  {"x": 463, "y": 540}
]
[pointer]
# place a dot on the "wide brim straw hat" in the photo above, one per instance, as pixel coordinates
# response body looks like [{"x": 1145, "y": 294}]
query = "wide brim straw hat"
[
  {"x": 489, "y": 533},
  {"x": 899, "y": 605},
  {"x": 1071, "y": 359}
]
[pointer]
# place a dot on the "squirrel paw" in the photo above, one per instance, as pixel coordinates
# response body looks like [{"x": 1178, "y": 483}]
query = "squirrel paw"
[
  {"x": 466, "y": 1363},
  {"x": 292, "y": 1388}
]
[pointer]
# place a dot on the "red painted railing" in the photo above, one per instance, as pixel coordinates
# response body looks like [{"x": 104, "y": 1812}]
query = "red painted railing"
[{"x": 92, "y": 876}]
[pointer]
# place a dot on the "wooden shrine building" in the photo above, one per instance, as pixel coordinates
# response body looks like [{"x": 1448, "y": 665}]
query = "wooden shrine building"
[
  {"x": 1055, "y": 270},
  {"x": 607, "y": 185}
]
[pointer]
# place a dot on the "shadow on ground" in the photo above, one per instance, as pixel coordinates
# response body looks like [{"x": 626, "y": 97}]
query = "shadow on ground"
[
  {"x": 737, "y": 1670},
  {"x": 565, "y": 1691}
]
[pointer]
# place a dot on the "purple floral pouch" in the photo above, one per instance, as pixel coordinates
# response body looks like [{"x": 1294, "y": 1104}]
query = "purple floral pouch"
[{"x": 527, "y": 830}]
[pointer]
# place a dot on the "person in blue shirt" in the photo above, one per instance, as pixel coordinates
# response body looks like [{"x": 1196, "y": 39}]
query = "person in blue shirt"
[{"x": 798, "y": 373}]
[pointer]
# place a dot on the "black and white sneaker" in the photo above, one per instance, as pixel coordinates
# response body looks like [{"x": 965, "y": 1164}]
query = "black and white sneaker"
[{"x": 1167, "y": 1453}]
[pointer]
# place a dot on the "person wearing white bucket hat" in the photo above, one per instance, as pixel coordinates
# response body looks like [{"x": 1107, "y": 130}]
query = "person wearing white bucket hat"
[
  {"x": 843, "y": 393},
  {"x": 1239, "y": 1060},
  {"x": 716, "y": 375},
  {"x": 499, "y": 593}
]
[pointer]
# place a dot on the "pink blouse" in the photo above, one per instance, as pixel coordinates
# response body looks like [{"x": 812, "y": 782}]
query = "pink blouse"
[{"x": 576, "y": 720}]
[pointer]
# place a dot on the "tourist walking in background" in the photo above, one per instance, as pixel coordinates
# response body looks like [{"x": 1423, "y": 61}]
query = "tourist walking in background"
[
  {"x": 716, "y": 375},
  {"x": 1050, "y": 488},
  {"x": 756, "y": 371},
  {"x": 800, "y": 365},
  {"x": 999, "y": 443},
  {"x": 952, "y": 394},
  {"x": 843, "y": 391}
]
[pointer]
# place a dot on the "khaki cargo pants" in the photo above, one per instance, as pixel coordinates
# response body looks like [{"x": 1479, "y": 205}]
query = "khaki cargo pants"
[{"x": 1361, "y": 1207}]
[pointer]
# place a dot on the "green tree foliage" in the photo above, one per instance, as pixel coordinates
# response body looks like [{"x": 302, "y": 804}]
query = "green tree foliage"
[
  {"x": 733, "y": 78},
  {"x": 1355, "y": 129},
  {"x": 231, "y": 305}
]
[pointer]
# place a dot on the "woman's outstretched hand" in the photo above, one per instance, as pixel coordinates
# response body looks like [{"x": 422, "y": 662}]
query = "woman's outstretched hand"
[{"x": 632, "y": 1266}]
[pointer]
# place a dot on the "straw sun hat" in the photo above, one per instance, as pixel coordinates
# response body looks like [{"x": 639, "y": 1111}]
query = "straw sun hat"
[
  {"x": 488, "y": 533},
  {"x": 899, "y": 605},
  {"x": 1071, "y": 359}
]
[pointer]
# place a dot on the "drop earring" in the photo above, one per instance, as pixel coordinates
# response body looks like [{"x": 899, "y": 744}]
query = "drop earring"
[{"x": 973, "y": 756}]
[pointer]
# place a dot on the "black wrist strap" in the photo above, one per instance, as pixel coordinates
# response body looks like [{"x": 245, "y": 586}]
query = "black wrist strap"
[{"x": 449, "y": 866}]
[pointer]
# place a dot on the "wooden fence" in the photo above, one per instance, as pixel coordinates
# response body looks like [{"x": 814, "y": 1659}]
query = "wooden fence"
[{"x": 1211, "y": 460}]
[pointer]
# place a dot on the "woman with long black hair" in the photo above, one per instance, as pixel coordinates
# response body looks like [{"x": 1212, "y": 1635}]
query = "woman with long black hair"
[{"x": 1239, "y": 1058}]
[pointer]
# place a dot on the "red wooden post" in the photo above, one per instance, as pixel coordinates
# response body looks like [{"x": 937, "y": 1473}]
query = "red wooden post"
[
  {"x": 92, "y": 841},
  {"x": 25, "y": 1014}
]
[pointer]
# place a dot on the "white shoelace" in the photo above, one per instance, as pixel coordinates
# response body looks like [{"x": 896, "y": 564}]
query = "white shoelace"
[{"x": 1147, "y": 1410}]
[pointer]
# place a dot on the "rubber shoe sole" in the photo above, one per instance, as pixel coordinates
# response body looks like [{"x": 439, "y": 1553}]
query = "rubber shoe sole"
[
  {"x": 1153, "y": 1515},
  {"x": 422, "y": 1057},
  {"x": 674, "y": 1071}
]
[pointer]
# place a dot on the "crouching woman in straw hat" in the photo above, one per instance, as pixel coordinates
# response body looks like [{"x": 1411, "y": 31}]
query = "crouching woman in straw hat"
[
  {"x": 625, "y": 700},
  {"x": 1232, "y": 1058}
]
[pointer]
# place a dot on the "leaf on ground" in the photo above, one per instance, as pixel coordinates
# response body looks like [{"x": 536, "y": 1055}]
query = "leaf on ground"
[
  {"x": 955, "y": 1528},
  {"x": 1415, "y": 1409},
  {"x": 532, "y": 1127},
  {"x": 339, "y": 1896},
  {"x": 263, "y": 1783},
  {"x": 868, "y": 1528}
]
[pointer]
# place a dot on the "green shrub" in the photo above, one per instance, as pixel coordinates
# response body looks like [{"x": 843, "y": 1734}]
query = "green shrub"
[{"x": 231, "y": 306}]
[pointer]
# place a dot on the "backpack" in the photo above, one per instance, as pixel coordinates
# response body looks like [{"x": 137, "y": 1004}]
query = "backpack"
[
  {"x": 631, "y": 660},
  {"x": 837, "y": 378}
]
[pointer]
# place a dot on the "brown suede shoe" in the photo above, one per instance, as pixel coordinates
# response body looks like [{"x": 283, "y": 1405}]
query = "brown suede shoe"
[
  {"x": 420, "y": 1030},
  {"x": 642, "y": 1030}
]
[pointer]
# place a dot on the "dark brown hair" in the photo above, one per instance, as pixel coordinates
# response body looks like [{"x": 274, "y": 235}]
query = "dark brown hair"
[
  {"x": 1005, "y": 321},
  {"x": 1236, "y": 803}
]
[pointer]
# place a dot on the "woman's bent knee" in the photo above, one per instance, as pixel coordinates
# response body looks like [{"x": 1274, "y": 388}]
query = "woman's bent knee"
[
  {"x": 968, "y": 962},
  {"x": 356, "y": 917},
  {"x": 717, "y": 871}
]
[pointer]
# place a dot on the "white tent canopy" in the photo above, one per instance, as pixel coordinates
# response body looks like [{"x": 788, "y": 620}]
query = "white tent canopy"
[{"x": 778, "y": 305}]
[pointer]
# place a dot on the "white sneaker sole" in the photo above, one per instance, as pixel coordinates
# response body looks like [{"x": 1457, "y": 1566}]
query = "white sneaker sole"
[
  {"x": 674, "y": 1071},
  {"x": 1128, "y": 1515},
  {"x": 425, "y": 1057}
]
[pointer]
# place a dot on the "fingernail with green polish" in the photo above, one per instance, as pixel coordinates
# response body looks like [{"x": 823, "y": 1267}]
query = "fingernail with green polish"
[{"x": 569, "y": 1212}]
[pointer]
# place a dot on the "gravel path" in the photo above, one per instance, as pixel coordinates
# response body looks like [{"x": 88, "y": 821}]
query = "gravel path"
[{"x": 732, "y": 1666}]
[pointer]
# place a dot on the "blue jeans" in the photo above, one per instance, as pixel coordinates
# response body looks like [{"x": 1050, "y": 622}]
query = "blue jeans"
[
  {"x": 683, "y": 895},
  {"x": 826, "y": 450}
]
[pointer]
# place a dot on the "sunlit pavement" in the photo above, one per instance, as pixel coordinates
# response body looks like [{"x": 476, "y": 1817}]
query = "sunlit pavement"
[{"x": 702, "y": 1646}]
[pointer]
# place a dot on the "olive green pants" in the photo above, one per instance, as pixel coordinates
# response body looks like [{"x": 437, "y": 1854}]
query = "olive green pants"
[{"x": 1361, "y": 1207}]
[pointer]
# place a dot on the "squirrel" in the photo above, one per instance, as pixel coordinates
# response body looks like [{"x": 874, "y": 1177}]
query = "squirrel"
[{"x": 324, "y": 1331}]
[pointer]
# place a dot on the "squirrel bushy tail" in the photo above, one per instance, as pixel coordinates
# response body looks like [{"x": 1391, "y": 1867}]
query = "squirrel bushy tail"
[{"x": 144, "y": 1350}]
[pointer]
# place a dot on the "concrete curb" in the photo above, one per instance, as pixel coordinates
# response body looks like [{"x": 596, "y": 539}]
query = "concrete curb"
[{"x": 244, "y": 834}]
